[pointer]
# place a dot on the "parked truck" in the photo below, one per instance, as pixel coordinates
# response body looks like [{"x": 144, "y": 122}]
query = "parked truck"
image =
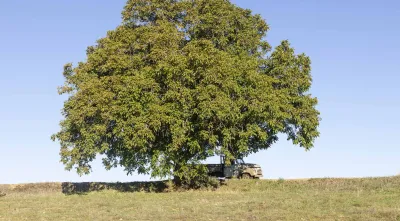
[{"x": 237, "y": 169}]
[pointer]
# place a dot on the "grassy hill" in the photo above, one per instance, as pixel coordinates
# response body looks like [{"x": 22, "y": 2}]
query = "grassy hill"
[{"x": 312, "y": 199}]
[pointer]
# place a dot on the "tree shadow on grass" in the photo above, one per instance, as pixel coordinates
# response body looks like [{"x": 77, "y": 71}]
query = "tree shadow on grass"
[{"x": 87, "y": 187}]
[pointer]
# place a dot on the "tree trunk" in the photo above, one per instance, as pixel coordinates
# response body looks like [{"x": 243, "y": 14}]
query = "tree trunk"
[{"x": 177, "y": 180}]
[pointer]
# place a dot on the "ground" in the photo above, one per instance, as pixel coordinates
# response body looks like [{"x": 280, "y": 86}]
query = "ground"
[{"x": 311, "y": 199}]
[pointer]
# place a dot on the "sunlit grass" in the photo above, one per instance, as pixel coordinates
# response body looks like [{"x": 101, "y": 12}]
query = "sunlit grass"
[{"x": 314, "y": 199}]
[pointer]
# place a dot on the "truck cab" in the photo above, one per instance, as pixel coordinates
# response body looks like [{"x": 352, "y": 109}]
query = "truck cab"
[{"x": 237, "y": 169}]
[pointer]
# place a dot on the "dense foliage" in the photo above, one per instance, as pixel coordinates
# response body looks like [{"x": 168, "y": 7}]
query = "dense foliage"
[{"x": 179, "y": 81}]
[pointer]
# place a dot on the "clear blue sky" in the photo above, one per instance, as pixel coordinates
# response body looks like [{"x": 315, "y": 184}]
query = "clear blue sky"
[{"x": 354, "y": 46}]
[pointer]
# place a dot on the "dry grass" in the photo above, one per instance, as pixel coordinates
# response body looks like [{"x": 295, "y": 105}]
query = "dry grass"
[{"x": 313, "y": 199}]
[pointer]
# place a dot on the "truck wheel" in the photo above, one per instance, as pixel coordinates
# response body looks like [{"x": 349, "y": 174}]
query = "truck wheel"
[{"x": 245, "y": 176}]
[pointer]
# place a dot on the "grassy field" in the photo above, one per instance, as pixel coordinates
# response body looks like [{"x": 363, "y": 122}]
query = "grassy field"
[{"x": 313, "y": 199}]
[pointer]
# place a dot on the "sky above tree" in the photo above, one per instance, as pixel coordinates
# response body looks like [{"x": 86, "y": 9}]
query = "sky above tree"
[{"x": 353, "y": 47}]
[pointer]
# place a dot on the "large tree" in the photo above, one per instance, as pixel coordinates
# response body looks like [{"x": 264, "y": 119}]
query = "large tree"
[{"x": 179, "y": 81}]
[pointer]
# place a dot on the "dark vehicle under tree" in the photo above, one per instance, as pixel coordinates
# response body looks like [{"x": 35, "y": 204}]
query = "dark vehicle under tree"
[{"x": 237, "y": 169}]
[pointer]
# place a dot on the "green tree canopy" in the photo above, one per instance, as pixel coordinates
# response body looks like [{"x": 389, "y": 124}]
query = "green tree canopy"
[{"x": 179, "y": 81}]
